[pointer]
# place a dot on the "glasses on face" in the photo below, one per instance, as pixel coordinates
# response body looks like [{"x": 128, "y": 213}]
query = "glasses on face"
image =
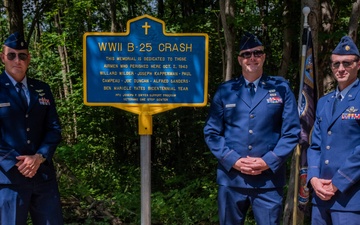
[
  {"x": 346, "y": 64},
  {"x": 12, "y": 55},
  {"x": 256, "y": 53}
]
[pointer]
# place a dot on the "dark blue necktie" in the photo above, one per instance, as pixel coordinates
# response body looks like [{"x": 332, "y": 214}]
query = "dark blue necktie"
[
  {"x": 336, "y": 102},
  {"x": 22, "y": 95},
  {"x": 252, "y": 89}
]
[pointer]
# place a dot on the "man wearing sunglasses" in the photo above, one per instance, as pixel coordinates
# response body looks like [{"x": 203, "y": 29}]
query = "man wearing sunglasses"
[
  {"x": 334, "y": 154},
  {"x": 252, "y": 128},
  {"x": 29, "y": 134}
]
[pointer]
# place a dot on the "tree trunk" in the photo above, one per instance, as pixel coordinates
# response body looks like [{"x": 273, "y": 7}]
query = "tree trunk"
[
  {"x": 288, "y": 35},
  {"x": 187, "y": 8},
  {"x": 227, "y": 18},
  {"x": 40, "y": 7},
  {"x": 114, "y": 24},
  {"x": 327, "y": 18},
  {"x": 15, "y": 15},
  {"x": 65, "y": 69},
  {"x": 160, "y": 8},
  {"x": 354, "y": 20}
]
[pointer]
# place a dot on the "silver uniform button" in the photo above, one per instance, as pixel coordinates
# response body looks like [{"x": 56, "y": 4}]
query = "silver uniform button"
[
  {"x": 329, "y": 132},
  {"x": 326, "y": 162},
  {"x": 328, "y": 147},
  {"x": 249, "y": 147},
  {"x": 251, "y": 131}
]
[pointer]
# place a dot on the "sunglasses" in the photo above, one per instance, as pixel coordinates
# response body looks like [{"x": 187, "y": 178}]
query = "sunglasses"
[
  {"x": 256, "y": 53},
  {"x": 346, "y": 64},
  {"x": 12, "y": 55}
]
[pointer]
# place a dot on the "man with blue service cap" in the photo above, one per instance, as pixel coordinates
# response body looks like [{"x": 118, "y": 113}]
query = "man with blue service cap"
[
  {"x": 334, "y": 154},
  {"x": 29, "y": 134},
  {"x": 252, "y": 129}
]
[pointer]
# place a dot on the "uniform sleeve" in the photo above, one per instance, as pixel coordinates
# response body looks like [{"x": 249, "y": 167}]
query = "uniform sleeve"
[
  {"x": 52, "y": 135},
  {"x": 290, "y": 131},
  {"x": 348, "y": 174},
  {"x": 214, "y": 134},
  {"x": 314, "y": 151},
  {"x": 8, "y": 158}
]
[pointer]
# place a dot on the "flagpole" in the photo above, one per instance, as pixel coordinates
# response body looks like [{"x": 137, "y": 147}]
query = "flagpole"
[{"x": 305, "y": 11}]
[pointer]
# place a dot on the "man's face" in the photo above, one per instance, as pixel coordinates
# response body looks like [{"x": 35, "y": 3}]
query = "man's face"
[
  {"x": 16, "y": 62},
  {"x": 252, "y": 60},
  {"x": 345, "y": 69}
]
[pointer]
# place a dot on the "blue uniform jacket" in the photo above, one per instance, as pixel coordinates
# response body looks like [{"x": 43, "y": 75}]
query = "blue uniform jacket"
[
  {"x": 335, "y": 149},
  {"x": 268, "y": 127},
  {"x": 27, "y": 132}
]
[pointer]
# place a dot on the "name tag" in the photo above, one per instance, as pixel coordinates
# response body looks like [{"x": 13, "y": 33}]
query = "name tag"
[
  {"x": 230, "y": 105},
  {"x": 5, "y": 104}
]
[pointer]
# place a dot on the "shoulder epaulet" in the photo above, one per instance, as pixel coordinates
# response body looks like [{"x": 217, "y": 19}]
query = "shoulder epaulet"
[
  {"x": 279, "y": 78},
  {"x": 231, "y": 80}
]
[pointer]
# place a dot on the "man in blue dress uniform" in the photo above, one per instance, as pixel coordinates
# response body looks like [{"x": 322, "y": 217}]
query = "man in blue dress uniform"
[
  {"x": 252, "y": 129},
  {"x": 334, "y": 154},
  {"x": 29, "y": 134}
]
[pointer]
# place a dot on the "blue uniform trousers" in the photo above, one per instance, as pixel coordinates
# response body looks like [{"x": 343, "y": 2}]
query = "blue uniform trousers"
[
  {"x": 44, "y": 208},
  {"x": 234, "y": 203},
  {"x": 322, "y": 216}
]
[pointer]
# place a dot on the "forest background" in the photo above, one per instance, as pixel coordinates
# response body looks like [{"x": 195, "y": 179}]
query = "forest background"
[{"x": 98, "y": 162}]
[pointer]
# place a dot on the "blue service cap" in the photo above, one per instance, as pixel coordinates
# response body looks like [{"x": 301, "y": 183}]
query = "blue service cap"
[
  {"x": 346, "y": 47},
  {"x": 16, "y": 41},
  {"x": 249, "y": 41}
]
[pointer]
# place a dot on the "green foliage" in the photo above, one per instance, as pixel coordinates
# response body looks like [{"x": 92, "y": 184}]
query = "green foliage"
[
  {"x": 119, "y": 189},
  {"x": 193, "y": 204}
]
